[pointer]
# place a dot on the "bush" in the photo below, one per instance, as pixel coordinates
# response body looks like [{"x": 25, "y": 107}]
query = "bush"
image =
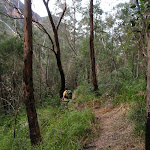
[
  {"x": 130, "y": 91},
  {"x": 85, "y": 93}
]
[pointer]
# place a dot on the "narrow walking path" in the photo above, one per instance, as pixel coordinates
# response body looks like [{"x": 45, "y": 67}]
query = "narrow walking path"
[{"x": 116, "y": 130}]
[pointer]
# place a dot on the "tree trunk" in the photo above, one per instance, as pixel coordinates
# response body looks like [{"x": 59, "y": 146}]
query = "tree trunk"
[
  {"x": 87, "y": 71},
  {"x": 92, "y": 54},
  {"x": 148, "y": 99},
  {"x": 43, "y": 72},
  {"x": 74, "y": 44},
  {"x": 138, "y": 61},
  {"x": 28, "y": 77},
  {"x": 62, "y": 89},
  {"x": 143, "y": 56},
  {"x": 40, "y": 80},
  {"x": 57, "y": 53},
  {"x": 76, "y": 77}
]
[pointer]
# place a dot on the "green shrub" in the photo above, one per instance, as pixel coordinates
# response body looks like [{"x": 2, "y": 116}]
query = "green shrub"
[
  {"x": 110, "y": 84},
  {"x": 130, "y": 91},
  {"x": 85, "y": 93},
  {"x": 83, "y": 89}
]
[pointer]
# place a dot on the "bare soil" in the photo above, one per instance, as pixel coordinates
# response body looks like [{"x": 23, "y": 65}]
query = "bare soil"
[{"x": 116, "y": 131}]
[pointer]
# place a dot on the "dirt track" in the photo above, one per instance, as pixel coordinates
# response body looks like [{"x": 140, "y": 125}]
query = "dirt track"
[{"x": 116, "y": 130}]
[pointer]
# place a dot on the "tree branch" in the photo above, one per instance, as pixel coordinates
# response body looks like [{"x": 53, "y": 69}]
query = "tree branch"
[
  {"x": 15, "y": 24},
  {"x": 69, "y": 43},
  {"x": 10, "y": 16},
  {"x": 61, "y": 17},
  {"x": 43, "y": 46},
  {"x": 20, "y": 12},
  {"x": 40, "y": 65},
  {"x": 49, "y": 14},
  {"x": 41, "y": 27}
]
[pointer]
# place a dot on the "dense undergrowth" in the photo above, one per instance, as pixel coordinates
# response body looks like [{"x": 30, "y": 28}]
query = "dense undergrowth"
[
  {"x": 60, "y": 128},
  {"x": 68, "y": 128},
  {"x": 133, "y": 93},
  {"x": 84, "y": 93},
  {"x": 119, "y": 90}
]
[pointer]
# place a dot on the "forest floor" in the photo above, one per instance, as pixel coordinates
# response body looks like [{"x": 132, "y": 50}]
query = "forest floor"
[{"x": 116, "y": 130}]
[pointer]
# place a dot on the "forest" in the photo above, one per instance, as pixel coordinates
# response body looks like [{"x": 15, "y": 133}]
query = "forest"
[{"x": 100, "y": 59}]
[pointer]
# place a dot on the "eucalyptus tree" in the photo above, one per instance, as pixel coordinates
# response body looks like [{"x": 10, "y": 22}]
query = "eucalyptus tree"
[
  {"x": 28, "y": 78},
  {"x": 76, "y": 5},
  {"x": 143, "y": 8},
  {"x": 55, "y": 44},
  {"x": 56, "y": 41},
  {"x": 129, "y": 35},
  {"x": 92, "y": 53},
  {"x": 69, "y": 35},
  {"x": 139, "y": 21},
  {"x": 84, "y": 35}
]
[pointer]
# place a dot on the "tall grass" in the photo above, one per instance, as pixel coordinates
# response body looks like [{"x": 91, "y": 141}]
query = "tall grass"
[
  {"x": 137, "y": 114},
  {"x": 133, "y": 93},
  {"x": 61, "y": 129},
  {"x": 70, "y": 131}
]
